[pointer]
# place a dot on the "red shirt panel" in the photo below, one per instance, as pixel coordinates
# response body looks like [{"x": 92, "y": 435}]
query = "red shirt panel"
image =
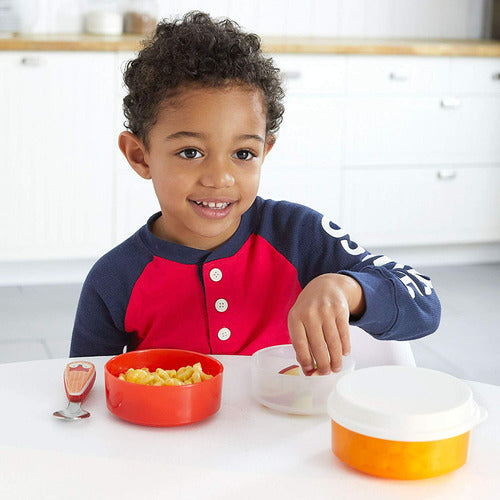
[{"x": 241, "y": 307}]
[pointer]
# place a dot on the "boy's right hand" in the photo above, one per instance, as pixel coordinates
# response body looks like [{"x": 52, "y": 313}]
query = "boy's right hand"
[{"x": 318, "y": 322}]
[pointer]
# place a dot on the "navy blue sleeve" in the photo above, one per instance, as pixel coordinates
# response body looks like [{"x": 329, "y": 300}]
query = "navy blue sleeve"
[
  {"x": 99, "y": 328},
  {"x": 401, "y": 304},
  {"x": 95, "y": 333}
]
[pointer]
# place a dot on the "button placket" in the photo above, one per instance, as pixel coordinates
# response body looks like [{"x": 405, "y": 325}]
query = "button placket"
[{"x": 219, "y": 304}]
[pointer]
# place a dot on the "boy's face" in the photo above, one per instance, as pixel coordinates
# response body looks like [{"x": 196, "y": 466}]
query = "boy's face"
[{"x": 205, "y": 155}]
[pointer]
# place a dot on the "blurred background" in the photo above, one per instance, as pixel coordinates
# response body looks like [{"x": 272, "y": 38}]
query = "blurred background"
[
  {"x": 338, "y": 18},
  {"x": 391, "y": 128}
]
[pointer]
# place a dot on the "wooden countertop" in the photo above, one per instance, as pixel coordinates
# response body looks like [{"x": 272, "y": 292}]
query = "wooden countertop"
[{"x": 295, "y": 45}]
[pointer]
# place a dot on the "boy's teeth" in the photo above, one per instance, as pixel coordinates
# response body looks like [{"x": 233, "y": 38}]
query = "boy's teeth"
[{"x": 212, "y": 204}]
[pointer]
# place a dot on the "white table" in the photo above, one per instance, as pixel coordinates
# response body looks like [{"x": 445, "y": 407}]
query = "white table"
[{"x": 244, "y": 451}]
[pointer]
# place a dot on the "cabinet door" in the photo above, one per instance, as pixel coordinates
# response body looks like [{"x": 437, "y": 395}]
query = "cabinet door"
[
  {"x": 475, "y": 75},
  {"x": 304, "y": 165},
  {"x": 413, "y": 206},
  {"x": 477, "y": 129},
  {"x": 57, "y": 168},
  {"x": 399, "y": 130},
  {"x": 476, "y": 84},
  {"x": 397, "y": 75},
  {"x": 312, "y": 73},
  {"x": 135, "y": 198}
]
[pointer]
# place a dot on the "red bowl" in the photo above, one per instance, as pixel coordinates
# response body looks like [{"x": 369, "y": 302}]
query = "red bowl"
[{"x": 162, "y": 406}]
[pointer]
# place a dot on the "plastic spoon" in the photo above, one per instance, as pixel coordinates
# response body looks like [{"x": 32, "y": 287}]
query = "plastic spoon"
[{"x": 79, "y": 378}]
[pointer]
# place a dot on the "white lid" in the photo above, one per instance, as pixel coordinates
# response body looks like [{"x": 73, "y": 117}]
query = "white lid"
[{"x": 402, "y": 403}]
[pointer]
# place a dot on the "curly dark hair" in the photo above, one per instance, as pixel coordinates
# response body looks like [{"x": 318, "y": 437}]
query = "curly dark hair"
[{"x": 197, "y": 49}]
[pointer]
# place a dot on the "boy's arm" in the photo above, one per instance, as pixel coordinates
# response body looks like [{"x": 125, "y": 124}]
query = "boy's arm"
[
  {"x": 344, "y": 284},
  {"x": 388, "y": 300},
  {"x": 95, "y": 332}
]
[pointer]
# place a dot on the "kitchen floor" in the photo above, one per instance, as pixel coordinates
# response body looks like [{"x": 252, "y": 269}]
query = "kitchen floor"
[{"x": 37, "y": 321}]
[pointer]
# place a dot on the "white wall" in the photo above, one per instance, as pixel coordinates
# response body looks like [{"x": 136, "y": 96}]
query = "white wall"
[{"x": 343, "y": 18}]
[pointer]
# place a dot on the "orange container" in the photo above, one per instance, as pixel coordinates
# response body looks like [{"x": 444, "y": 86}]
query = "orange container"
[
  {"x": 162, "y": 406},
  {"x": 402, "y": 422},
  {"x": 399, "y": 459}
]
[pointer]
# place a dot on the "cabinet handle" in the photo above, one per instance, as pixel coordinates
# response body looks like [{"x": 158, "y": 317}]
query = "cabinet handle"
[
  {"x": 450, "y": 102},
  {"x": 496, "y": 76},
  {"x": 399, "y": 76},
  {"x": 31, "y": 61},
  {"x": 446, "y": 174},
  {"x": 292, "y": 75}
]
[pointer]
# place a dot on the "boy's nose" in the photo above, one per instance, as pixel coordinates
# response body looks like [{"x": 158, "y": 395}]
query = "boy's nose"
[{"x": 217, "y": 174}]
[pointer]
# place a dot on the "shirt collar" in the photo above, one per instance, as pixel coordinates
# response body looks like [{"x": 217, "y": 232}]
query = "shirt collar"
[{"x": 187, "y": 255}]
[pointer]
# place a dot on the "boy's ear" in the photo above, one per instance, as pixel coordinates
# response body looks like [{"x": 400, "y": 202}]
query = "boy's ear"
[
  {"x": 134, "y": 150},
  {"x": 270, "y": 141}
]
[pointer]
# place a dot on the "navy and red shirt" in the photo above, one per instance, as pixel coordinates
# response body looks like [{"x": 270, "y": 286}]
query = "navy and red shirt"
[{"x": 151, "y": 293}]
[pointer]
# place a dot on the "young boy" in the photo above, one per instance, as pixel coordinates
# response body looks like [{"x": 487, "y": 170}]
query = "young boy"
[{"x": 220, "y": 270}]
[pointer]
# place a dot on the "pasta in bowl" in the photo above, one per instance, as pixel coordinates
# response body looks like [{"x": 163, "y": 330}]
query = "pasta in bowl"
[
  {"x": 163, "y": 404},
  {"x": 183, "y": 376}
]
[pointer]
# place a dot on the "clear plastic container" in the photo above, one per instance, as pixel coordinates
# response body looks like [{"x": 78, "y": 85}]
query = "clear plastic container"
[
  {"x": 402, "y": 422},
  {"x": 299, "y": 394}
]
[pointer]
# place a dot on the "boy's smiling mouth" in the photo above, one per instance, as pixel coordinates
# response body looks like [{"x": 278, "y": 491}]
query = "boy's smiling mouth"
[
  {"x": 218, "y": 205},
  {"x": 213, "y": 208}
]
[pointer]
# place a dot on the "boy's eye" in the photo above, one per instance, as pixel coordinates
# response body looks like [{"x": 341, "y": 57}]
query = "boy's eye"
[
  {"x": 190, "y": 154},
  {"x": 244, "y": 154}
]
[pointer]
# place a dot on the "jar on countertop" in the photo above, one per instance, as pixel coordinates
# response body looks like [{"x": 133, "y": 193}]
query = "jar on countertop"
[
  {"x": 140, "y": 17},
  {"x": 103, "y": 17}
]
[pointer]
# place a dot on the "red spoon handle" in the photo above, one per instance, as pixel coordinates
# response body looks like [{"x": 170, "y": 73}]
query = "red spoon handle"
[{"x": 79, "y": 377}]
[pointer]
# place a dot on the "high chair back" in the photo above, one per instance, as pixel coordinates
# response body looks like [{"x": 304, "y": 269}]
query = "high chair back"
[{"x": 368, "y": 351}]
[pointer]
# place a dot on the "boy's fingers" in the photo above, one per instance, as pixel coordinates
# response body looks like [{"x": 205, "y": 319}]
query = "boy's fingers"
[
  {"x": 344, "y": 334},
  {"x": 298, "y": 337},
  {"x": 323, "y": 344},
  {"x": 334, "y": 344},
  {"x": 319, "y": 348}
]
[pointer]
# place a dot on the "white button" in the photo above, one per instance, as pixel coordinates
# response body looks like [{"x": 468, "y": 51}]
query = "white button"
[
  {"x": 221, "y": 305},
  {"x": 224, "y": 333},
  {"x": 215, "y": 274}
]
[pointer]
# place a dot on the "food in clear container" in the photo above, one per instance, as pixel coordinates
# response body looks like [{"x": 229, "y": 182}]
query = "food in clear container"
[{"x": 279, "y": 384}]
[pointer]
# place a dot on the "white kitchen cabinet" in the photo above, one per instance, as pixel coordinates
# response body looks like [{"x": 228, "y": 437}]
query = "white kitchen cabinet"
[
  {"x": 422, "y": 130},
  {"x": 475, "y": 75},
  {"x": 411, "y": 110},
  {"x": 475, "y": 82},
  {"x": 422, "y": 157},
  {"x": 476, "y": 129},
  {"x": 307, "y": 74},
  {"x": 398, "y": 131},
  {"x": 397, "y": 75},
  {"x": 56, "y": 193},
  {"x": 416, "y": 206},
  {"x": 135, "y": 198},
  {"x": 304, "y": 165}
]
